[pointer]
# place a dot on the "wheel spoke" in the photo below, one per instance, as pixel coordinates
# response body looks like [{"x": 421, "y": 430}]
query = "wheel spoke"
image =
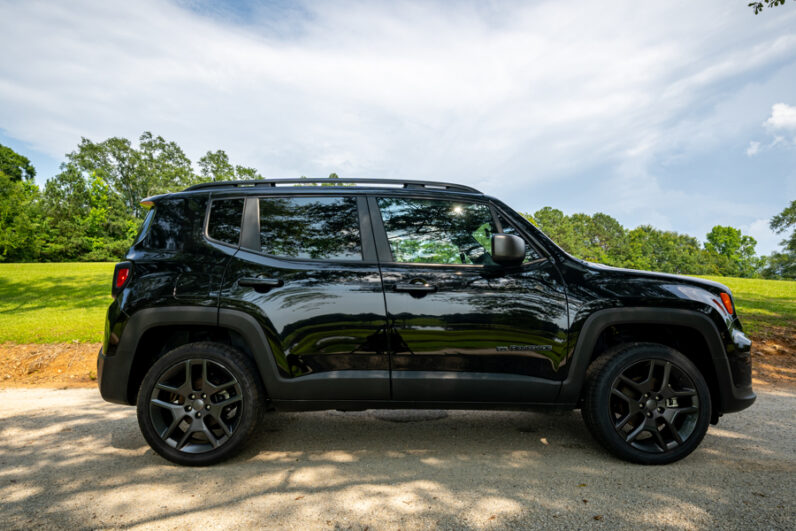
[
  {"x": 166, "y": 405},
  {"x": 636, "y": 386},
  {"x": 619, "y": 394},
  {"x": 659, "y": 438},
  {"x": 170, "y": 429},
  {"x": 667, "y": 371},
  {"x": 209, "y": 434},
  {"x": 168, "y": 388},
  {"x": 223, "y": 425},
  {"x": 635, "y": 433},
  {"x": 185, "y": 437},
  {"x": 687, "y": 391},
  {"x": 621, "y": 424},
  {"x": 227, "y": 402},
  {"x": 675, "y": 433},
  {"x": 188, "y": 385}
]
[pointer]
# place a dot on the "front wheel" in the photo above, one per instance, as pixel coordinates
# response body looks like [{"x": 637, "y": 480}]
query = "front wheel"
[
  {"x": 646, "y": 403},
  {"x": 199, "y": 403}
]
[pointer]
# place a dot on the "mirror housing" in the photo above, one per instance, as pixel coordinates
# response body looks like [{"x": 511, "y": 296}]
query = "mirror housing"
[{"x": 507, "y": 249}]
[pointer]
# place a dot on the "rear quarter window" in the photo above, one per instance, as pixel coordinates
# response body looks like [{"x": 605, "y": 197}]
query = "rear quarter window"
[
  {"x": 167, "y": 228},
  {"x": 224, "y": 222}
]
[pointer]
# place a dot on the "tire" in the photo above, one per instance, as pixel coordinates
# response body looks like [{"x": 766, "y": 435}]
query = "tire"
[
  {"x": 646, "y": 403},
  {"x": 199, "y": 403}
]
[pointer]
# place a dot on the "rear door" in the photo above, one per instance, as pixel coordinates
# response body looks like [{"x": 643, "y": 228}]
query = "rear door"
[
  {"x": 463, "y": 328},
  {"x": 307, "y": 271}
]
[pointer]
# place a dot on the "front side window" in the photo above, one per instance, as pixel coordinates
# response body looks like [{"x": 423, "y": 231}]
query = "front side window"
[
  {"x": 431, "y": 231},
  {"x": 225, "y": 220},
  {"x": 318, "y": 228}
]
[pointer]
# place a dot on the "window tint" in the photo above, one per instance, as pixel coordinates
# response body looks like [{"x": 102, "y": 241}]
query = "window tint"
[
  {"x": 530, "y": 251},
  {"x": 168, "y": 230},
  {"x": 434, "y": 231},
  {"x": 225, "y": 220},
  {"x": 324, "y": 228}
]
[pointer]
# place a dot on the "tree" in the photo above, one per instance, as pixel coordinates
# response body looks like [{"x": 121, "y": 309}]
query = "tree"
[
  {"x": 738, "y": 248},
  {"x": 15, "y": 166},
  {"x": 156, "y": 166},
  {"x": 759, "y": 6},
  {"x": 215, "y": 166},
  {"x": 783, "y": 264}
]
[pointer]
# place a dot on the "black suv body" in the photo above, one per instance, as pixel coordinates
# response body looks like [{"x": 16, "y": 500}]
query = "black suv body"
[{"x": 245, "y": 296}]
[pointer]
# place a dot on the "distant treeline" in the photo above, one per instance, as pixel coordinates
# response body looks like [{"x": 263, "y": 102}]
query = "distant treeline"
[{"x": 90, "y": 211}]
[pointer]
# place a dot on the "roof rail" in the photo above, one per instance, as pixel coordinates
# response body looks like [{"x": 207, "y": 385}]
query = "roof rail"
[{"x": 274, "y": 182}]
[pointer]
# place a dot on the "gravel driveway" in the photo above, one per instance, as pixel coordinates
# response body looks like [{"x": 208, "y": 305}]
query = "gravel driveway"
[{"x": 68, "y": 459}]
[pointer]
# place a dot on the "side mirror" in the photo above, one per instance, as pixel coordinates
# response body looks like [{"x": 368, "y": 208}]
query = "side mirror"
[{"x": 507, "y": 249}]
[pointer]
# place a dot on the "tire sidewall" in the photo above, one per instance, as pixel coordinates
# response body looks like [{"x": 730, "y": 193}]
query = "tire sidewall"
[{"x": 226, "y": 357}]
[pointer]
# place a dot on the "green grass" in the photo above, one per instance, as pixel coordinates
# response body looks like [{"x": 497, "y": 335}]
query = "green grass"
[
  {"x": 51, "y": 303},
  {"x": 762, "y": 303}
]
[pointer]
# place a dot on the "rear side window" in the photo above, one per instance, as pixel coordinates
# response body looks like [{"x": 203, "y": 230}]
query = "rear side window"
[
  {"x": 225, "y": 219},
  {"x": 167, "y": 231},
  {"x": 317, "y": 228}
]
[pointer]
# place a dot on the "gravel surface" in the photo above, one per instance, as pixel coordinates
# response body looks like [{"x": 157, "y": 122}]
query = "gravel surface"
[{"x": 68, "y": 459}]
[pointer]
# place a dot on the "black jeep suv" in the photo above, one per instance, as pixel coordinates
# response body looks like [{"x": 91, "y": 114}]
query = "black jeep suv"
[{"x": 348, "y": 294}]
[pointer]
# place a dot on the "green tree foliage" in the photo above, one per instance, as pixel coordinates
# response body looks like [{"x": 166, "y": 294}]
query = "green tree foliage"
[
  {"x": 737, "y": 248},
  {"x": 759, "y": 6},
  {"x": 783, "y": 264},
  {"x": 215, "y": 166},
  {"x": 20, "y": 220},
  {"x": 15, "y": 166},
  {"x": 601, "y": 238}
]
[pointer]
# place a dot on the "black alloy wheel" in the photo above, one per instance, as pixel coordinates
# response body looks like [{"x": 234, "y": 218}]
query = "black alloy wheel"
[
  {"x": 198, "y": 403},
  {"x": 646, "y": 403}
]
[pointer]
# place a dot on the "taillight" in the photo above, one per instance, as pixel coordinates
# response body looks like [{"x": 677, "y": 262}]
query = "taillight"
[
  {"x": 121, "y": 275},
  {"x": 727, "y": 301}
]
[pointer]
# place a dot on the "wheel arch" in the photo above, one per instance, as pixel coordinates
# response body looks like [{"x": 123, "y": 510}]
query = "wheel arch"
[{"x": 714, "y": 363}]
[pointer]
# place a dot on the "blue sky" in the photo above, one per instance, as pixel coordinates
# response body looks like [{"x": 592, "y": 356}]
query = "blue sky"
[{"x": 677, "y": 114}]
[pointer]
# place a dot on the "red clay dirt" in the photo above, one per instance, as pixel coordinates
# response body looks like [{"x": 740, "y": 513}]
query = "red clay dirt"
[{"x": 63, "y": 365}]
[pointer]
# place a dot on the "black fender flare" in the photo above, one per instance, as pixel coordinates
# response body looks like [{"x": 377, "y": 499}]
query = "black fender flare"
[
  {"x": 730, "y": 397},
  {"x": 113, "y": 371}
]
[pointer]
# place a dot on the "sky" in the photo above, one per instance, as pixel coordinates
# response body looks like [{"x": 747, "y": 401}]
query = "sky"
[{"x": 681, "y": 115}]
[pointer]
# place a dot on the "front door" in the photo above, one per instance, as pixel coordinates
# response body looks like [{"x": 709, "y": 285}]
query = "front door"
[
  {"x": 311, "y": 279},
  {"x": 463, "y": 328}
]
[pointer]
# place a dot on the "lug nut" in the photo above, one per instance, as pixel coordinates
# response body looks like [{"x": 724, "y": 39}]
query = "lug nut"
[
  {"x": 207, "y": 406},
  {"x": 199, "y": 415},
  {"x": 192, "y": 397},
  {"x": 188, "y": 408},
  {"x": 204, "y": 395},
  {"x": 660, "y": 410},
  {"x": 649, "y": 413},
  {"x": 641, "y": 405},
  {"x": 658, "y": 397}
]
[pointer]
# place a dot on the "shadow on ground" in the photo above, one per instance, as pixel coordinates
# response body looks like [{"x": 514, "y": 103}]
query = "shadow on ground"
[{"x": 69, "y": 459}]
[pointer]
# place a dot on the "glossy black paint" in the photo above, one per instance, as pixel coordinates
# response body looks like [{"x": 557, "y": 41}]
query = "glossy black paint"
[{"x": 347, "y": 334}]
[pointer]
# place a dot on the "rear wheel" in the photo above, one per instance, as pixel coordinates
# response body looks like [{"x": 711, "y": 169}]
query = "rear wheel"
[
  {"x": 198, "y": 404},
  {"x": 646, "y": 403}
]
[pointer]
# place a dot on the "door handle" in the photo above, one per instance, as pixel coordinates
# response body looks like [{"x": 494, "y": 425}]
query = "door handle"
[
  {"x": 261, "y": 284},
  {"x": 408, "y": 287}
]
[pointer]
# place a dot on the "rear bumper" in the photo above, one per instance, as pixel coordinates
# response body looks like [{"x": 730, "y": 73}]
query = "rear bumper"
[{"x": 112, "y": 376}]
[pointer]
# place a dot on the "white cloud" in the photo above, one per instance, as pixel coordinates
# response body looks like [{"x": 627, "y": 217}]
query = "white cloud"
[
  {"x": 753, "y": 149},
  {"x": 504, "y": 96},
  {"x": 783, "y": 116},
  {"x": 767, "y": 240}
]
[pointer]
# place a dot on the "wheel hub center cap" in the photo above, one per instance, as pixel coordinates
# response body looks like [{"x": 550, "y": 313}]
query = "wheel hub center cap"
[
  {"x": 198, "y": 404},
  {"x": 651, "y": 404}
]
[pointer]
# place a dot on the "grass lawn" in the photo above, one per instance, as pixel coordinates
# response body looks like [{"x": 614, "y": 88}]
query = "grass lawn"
[
  {"x": 763, "y": 303},
  {"x": 50, "y": 303},
  {"x": 54, "y": 302}
]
